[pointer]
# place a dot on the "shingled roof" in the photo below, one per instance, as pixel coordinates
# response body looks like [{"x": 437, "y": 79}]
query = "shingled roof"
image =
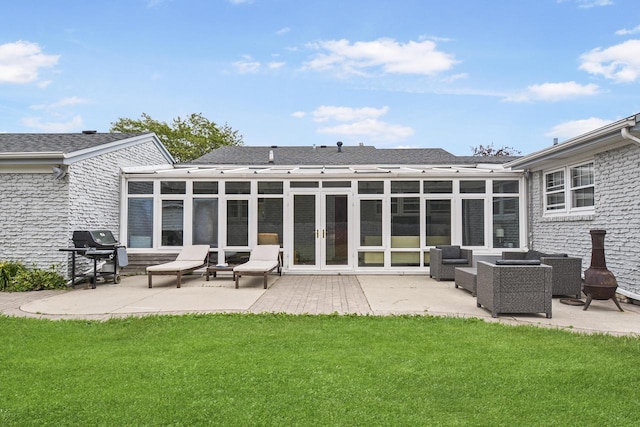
[
  {"x": 329, "y": 155},
  {"x": 57, "y": 142}
]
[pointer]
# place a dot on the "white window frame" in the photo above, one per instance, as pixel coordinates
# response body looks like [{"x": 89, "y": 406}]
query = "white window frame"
[{"x": 568, "y": 190}]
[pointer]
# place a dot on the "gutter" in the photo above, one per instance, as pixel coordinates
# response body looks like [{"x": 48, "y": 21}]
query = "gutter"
[
  {"x": 574, "y": 143},
  {"x": 627, "y": 135}
]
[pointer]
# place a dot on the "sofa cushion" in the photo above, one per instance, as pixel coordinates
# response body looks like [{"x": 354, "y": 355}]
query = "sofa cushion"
[
  {"x": 554, "y": 255},
  {"x": 450, "y": 252},
  {"x": 455, "y": 261},
  {"x": 533, "y": 255},
  {"x": 518, "y": 262}
]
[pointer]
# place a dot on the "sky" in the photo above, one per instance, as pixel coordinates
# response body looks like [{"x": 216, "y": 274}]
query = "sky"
[{"x": 451, "y": 74}]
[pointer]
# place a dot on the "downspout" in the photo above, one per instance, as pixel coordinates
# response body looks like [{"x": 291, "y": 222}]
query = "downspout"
[
  {"x": 528, "y": 179},
  {"x": 627, "y": 135}
]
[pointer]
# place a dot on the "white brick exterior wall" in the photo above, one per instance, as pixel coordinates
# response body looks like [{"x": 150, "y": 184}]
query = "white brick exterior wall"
[
  {"x": 34, "y": 211},
  {"x": 617, "y": 210},
  {"x": 39, "y": 213}
]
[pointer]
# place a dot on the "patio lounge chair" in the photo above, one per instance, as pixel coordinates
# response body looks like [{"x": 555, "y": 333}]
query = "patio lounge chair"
[
  {"x": 445, "y": 259},
  {"x": 263, "y": 260},
  {"x": 189, "y": 259}
]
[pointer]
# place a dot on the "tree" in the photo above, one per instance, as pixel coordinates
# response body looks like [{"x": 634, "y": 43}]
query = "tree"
[
  {"x": 490, "y": 151},
  {"x": 186, "y": 139}
]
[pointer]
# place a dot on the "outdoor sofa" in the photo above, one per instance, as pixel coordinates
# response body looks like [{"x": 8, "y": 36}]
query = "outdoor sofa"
[
  {"x": 567, "y": 271},
  {"x": 514, "y": 288},
  {"x": 445, "y": 259},
  {"x": 189, "y": 259},
  {"x": 263, "y": 260}
]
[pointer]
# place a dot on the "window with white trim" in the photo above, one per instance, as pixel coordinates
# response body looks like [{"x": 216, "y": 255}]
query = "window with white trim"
[
  {"x": 582, "y": 186},
  {"x": 570, "y": 189}
]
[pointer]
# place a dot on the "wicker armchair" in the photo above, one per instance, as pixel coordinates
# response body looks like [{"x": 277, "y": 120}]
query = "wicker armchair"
[
  {"x": 445, "y": 259},
  {"x": 567, "y": 271},
  {"x": 514, "y": 288}
]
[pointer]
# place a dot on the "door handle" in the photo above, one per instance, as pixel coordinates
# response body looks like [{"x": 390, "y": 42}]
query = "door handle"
[{"x": 323, "y": 233}]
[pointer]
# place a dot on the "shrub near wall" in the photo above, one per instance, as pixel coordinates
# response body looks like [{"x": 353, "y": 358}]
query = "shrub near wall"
[{"x": 15, "y": 277}]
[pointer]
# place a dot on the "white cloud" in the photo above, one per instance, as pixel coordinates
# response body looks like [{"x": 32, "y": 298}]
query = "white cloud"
[
  {"x": 36, "y": 123},
  {"x": 625, "y": 32},
  {"x": 239, "y": 1},
  {"x": 357, "y": 122},
  {"x": 21, "y": 61},
  {"x": 554, "y": 92},
  {"x": 283, "y": 31},
  {"x": 574, "y": 128},
  {"x": 372, "y": 129},
  {"x": 247, "y": 65},
  {"x": 346, "y": 114},
  {"x": 274, "y": 65},
  {"x": 385, "y": 54},
  {"x": 620, "y": 62},
  {"x": 65, "y": 102},
  {"x": 455, "y": 77},
  {"x": 587, "y": 4}
]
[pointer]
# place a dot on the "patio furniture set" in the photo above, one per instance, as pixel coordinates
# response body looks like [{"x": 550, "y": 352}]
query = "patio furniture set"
[{"x": 519, "y": 282}]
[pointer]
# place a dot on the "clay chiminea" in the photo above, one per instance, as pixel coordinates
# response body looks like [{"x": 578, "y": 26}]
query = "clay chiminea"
[{"x": 599, "y": 282}]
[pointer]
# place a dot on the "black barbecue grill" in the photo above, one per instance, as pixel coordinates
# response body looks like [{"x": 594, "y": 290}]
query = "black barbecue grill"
[{"x": 98, "y": 245}]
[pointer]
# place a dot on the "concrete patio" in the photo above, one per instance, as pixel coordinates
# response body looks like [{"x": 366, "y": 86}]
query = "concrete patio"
[{"x": 341, "y": 294}]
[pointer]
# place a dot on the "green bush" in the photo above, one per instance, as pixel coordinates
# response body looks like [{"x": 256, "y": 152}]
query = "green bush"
[
  {"x": 36, "y": 279},
  {"x": 8, "y": 270}
]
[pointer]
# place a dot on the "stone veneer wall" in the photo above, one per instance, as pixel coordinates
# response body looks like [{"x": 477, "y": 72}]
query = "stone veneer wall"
[
  {"x": 39, "y": 214},
  {"x": 617, "y": 210}
]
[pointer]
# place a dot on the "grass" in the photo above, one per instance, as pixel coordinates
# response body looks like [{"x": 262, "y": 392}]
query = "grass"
[{"x": 312, "y": 370}]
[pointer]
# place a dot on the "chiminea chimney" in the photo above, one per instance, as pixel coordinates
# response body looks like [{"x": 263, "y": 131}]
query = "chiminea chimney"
[{"x": 339, "y": 144}]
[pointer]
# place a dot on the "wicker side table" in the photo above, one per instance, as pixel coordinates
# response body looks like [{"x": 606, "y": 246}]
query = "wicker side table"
[{"x": 466, "y": 278}]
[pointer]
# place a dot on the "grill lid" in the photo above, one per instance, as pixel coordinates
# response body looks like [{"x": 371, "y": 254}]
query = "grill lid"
[{"x": 94, "y": 239}]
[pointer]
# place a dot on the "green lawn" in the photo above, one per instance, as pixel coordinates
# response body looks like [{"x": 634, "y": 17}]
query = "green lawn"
[{"x": 312, "y": 370}]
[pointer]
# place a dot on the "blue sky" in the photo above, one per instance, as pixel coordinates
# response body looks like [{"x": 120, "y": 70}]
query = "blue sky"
[{"x": 405, "y": 73}]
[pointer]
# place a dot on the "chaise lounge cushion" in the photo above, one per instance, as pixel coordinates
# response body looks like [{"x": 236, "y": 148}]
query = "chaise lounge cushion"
[
  {"x": 189, "y": 259},
  {"x": 263, "y": 260},
  {"x": 175, "y": 266}
]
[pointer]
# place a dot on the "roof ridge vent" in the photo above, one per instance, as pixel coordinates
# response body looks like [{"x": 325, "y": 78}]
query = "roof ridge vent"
[{"x": 89, "y": 132}]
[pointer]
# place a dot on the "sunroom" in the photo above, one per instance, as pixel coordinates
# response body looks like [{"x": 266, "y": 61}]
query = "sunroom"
[{"x": 331, "y": 218}]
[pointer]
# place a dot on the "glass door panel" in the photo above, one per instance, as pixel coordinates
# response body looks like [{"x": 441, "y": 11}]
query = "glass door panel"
[
  {"x": 473, "y": 222},
  {"x": 337, "y": 231},
  {"x": 304, "y": 229}
]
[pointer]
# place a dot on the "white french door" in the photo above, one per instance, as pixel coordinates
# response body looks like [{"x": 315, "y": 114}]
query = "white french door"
[{"x": 320, "y": 230}]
